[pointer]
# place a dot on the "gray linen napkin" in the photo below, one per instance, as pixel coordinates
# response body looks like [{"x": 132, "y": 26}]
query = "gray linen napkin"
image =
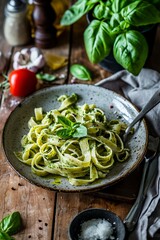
[{"x": 139, "y": 90}]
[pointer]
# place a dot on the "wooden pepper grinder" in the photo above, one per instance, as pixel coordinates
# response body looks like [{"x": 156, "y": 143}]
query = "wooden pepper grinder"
[{"x": 43, "y": 18}]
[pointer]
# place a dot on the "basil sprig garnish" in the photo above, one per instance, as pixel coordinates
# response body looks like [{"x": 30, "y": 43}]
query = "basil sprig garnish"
[
  {"x": 10, "y": 225},
  {"x": 80, "y": 72},
  {"x": 70, "y": 129}
]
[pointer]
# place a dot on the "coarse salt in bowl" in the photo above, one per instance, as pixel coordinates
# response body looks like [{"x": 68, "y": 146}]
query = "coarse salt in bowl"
[
  {"x": 96, "y": 224},
  {"x": 96, "y": 229}
]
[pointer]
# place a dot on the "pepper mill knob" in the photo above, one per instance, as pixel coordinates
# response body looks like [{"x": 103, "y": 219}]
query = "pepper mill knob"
[{"x": 43, "y": 18}]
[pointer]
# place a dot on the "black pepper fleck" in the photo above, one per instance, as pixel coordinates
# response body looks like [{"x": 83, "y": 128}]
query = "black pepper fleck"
[
  {"x": 19, "y": 184},
  {"x": 13, "y": 188}
]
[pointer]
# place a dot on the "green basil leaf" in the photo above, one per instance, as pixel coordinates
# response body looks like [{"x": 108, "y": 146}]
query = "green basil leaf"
[
  {"x": 71, "y": 129},
  {"x": 131, "y": 50},
  {"x": 123, "y": 25},
  {"x": 80, "y": 72},
  {"x": 65, "y": 121},
  {"x": 76, "y": 125},
  {"x": 11, "y": 224},
  {"x": 64, "y": 133},
  {"x": 76, "y": 11},
  {"x": 109, "y": 3},
  {"x": 117, "y": 5},
  {"x": 115, "y": 20},
  {"x": 80, "y": 131},
  {"x": 98, "y": 42},
  {"x": 141, "y": 13},
  {"x": 5, "y": 236},
  {"x": 46, "y": 77},
  {"x": 101, "y": 11}
]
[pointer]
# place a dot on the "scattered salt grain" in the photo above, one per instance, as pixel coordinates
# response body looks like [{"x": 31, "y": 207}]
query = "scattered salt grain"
[{"x": 96, "y": 229}]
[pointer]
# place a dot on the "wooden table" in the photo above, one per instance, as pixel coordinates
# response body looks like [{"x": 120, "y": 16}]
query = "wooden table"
[{"x": 46, "y": 214}]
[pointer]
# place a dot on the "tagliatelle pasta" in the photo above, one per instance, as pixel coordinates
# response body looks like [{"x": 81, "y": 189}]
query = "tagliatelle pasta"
[{"x": 76, "y": 142}]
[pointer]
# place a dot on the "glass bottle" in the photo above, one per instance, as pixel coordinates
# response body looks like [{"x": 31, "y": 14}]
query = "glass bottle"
[{"x": 16, "y": 25}]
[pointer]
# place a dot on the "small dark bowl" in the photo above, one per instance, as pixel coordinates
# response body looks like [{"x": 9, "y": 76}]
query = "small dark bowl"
[{"x": 96, "y": 213}]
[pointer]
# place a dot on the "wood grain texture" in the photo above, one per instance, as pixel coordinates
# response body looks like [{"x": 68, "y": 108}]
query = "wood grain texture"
[{"x": 68, "y": 205}]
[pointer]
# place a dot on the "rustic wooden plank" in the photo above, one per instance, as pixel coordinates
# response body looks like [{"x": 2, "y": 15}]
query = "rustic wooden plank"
[{"x": 69, "y": 204}]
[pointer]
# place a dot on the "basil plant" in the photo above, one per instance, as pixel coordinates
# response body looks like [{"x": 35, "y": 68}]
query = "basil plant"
[{"x": 115, "y": 28}]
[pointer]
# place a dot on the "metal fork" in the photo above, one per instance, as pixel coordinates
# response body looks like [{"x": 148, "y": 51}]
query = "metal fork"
[
  {"x": 132, "y": 218},
  {"x": 155, "y": 99}
]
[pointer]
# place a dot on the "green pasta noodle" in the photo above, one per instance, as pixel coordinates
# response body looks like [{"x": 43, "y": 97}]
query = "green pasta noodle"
[{"x": 76, "y": 142}]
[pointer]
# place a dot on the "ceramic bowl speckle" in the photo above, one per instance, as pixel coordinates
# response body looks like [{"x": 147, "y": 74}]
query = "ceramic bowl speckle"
[
  {"x": 76, "y": 225},
  {"x": 111, "y": 103}
]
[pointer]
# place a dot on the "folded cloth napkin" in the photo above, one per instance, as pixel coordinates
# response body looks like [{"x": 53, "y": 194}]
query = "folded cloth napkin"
[{"x": 139, "y": 89}]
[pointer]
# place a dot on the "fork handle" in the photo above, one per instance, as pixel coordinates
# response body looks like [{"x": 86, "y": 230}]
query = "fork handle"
[
  {"x": 132, "y": 218},
  {"x": 155, "y": 99}
]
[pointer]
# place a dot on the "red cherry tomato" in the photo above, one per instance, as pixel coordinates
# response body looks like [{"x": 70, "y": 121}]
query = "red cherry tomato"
[{"x": 22, "y": 82}]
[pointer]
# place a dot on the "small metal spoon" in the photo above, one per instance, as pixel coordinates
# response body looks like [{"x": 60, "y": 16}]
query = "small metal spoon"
[{"x": 155, "y": 99}]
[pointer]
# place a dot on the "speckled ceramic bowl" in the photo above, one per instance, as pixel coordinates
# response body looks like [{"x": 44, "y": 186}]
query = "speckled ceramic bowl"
[
  {"x": 75, "y": 226},
  {"x": 111, "y": 103}
]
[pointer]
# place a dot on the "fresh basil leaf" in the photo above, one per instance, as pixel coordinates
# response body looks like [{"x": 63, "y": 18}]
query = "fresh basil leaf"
[
  {"x": 65, "y": 133},
  {"x": 76, "y": 125},
  {"x": 123, "y": 25},
  {"x": 80, "y": 131},
  {"x": 65, "y": 121},
  {"x": 76, "y": 11},
  {"x": 117, "y": 5},
  {"x": 71, "y": 129},
  {"x": 5, "y": 236},
  {"x": 131, "y": 50},
  {"x": 109, "y": 3},
  {"x": 46, "y": 77},
  {"x": 140, "y": 13},
  {"x": 80, "y": 72},
  {"x": 115, "y": 20},
  {"x": 98, "y": 42},
  {"x": 101, "y": 11},
  {"x": 11, "y": 224}
]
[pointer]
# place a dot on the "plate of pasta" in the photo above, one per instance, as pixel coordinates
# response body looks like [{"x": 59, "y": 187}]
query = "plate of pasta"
[{"x": 69, "y": 138}]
